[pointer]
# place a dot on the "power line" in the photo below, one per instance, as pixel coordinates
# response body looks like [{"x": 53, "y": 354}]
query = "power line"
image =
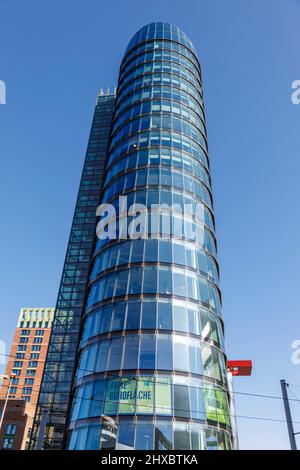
[
  {"x": 117, "y": 402},
  {"x": 294, "y": 395},
  {"x": 163, "y": 383},
  {"x": 77, "y": 399}
]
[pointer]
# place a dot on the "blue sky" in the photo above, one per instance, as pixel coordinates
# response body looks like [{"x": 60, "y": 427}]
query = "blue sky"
[{"x": 54, "y": 57}]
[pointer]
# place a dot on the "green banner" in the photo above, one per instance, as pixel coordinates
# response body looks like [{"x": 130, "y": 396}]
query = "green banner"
[{"x": 136, "y": 395}]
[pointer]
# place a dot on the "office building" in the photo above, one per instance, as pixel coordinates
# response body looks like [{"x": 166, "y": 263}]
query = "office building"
[
  {"x": 23, "y": 376},
  {"x": 151, "y": 372},
  {"x": 28, "y": 353}
]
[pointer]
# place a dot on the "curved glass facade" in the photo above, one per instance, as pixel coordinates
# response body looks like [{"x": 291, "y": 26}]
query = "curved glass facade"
[{"x": 152, "y": 367}]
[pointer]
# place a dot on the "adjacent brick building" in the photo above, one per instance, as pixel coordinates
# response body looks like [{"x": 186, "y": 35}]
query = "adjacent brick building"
[
  {"x": 17, "y": 424},
  {"x": 26, "y": 361}
]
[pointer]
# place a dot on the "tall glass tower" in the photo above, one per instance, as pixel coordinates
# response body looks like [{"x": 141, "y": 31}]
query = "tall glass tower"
[
  {"x": 152, "y": 366},
  {"x": 56, "y": 388}
]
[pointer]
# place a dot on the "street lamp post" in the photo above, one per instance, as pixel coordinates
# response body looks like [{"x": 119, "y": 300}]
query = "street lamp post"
[{"x": 11, "y": 377}]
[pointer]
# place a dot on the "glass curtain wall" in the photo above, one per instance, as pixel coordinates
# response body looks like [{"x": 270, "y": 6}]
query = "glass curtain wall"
[
  {"x": 152, "y": 367},
  {"x": 56, "y": 388}
]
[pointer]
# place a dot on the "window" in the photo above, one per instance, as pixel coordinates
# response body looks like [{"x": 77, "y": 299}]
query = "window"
[
  {"x": 164, "y": 316},
  {"x": 179, "y": 254},
  {"x": 144, "y": 437},
  {"x": 115, "y": 357},
  {"x": 121, "y": 283},
  {"x": 211, "y": 439},
  {"x": 151, "y": 250},
  {"x": 180, "y": 353},
  {"x": 119, "y": 316},
  {"x": 11, "y": 429},
  {"x": 133, "y": 316},
  {"x": 99, "y": 391},
  {"x": 126, "y": 435},
  {"x": 192, "y": 287},
  {"x": 102, "y": 356},
  {"x": 24, "y": 340},
  {"x": 197, "y": 401},
  {"x": 179, "y": 283},
  {"x": 32, "y": 363},
  {"x": 163, "y": 436},
  {"x": 195, "y": 358},
  {"x": 34, "y": 355},
  {"x": 131, "y": 352},
  {"x": 135, "y": 283},
  {"x": 194, "y": 322},
  {"x": 207, "y": 361},
  {"x": 109, "y": 286},
  {"x": 180, "y": 318},
  {"x": 8, "y": 443},
  {"x": 164, "y": 352},
  {"x": 150, "y": 280},
  {"x": 20, "y": 355},
  {"x": 93, "y": 438},
  {"x": 181, "y": 437},
  {"x": 27, "y": 390},
  {"x": 137, "y": 251},
  {"x": 28, "y": 382},
  {"x": 9, "y": 434},
  {"x": 90, "y": 362},
  {"x": 39, "y": 332},
  {"x": 124, "y": 253},
  {"x": 147, "y": 352},
  {"x": 18, "y": 363},
  {"x": 36, "y": 340},
  {"x": 165, "y": 281},
  {"x": 149, "y": 315},
  {"x": 25, "y": 332},
  {"x": 106, "y": 319},
  {"x": 165, "y": 252}
]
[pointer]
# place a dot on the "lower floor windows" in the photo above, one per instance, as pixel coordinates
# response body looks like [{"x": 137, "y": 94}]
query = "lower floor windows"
[
  {"x": 162, "y": 396},
  {"x": 147, "y": 435},
  {"x": 8, "y": 443}
]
